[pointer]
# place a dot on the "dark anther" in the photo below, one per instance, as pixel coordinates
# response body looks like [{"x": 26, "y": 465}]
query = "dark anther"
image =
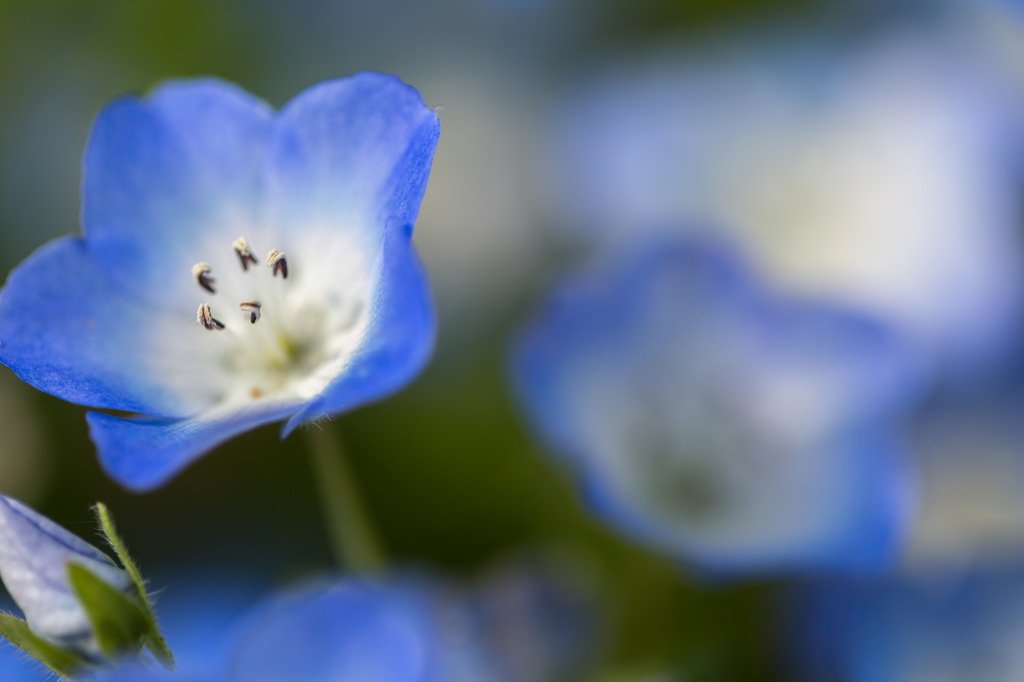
[
  {"x": 201, "y": 274},
  {"x": 276, "y": 261},
  {"x": 245, "y": 256},
  {"x": 252, "y": 307},
  {"x": 206, "y": 318}
]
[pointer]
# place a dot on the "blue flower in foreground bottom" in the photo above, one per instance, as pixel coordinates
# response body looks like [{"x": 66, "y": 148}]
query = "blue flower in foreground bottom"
[
  {"x": 288, "y": 232},
  {"x": 34, "y": 554},
  {"x": 739, "y": 432},
  {"x": 356, "y": 631},
  {"x": 392, "y": 629}
]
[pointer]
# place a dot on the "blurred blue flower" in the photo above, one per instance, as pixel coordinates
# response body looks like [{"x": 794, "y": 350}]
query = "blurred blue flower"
[
  {"x": 187, "y": 194},
  {"x": 884, "y": 172},
  {"x": 361, "y": 631},
  {"x": 400, "y": 629},
  {"x": 412, "y": 629},
  {"x": 34, "y": 555},
  {"x": 739, "y": 432},
  {"x": 970, "y": 631}
]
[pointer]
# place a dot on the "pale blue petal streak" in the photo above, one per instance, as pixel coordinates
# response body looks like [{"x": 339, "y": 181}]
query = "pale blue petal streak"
[
  {"x": 161, "y": 172},
  {"x": 359, "y": 146},
  {"x": 398, "y": 342}
]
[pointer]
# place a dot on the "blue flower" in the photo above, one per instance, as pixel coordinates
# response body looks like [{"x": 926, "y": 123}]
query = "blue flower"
[
  {"x": 34, "y": 554},
  {"x": 737, "y": 431},
  {"x": 289, "y": 232}
]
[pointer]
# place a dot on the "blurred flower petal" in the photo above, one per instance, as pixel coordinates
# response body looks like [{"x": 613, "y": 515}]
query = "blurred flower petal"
[{"x": 739, "y": 432}]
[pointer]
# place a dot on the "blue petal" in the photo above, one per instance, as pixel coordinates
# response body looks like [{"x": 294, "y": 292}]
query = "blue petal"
[
  {"x": 69, "y": 330},
  {"x": 162, "y": 173},
  {"x": 353, "y": 630},
  {"x": 357, "y": 152},
  {"x": 398, "y": 341},
  {"x": 143, "y": 453},
  {"x": 359, "y": 146}
]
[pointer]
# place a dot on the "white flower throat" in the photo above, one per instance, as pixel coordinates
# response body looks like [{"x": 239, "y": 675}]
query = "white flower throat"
[{"x": 273, "y": 343}]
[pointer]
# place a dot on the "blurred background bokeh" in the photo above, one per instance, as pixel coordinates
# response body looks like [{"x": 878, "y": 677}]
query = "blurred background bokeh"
[{"x": 869, "y": 153}]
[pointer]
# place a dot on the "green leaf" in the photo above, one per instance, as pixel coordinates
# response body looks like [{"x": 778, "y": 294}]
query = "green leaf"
[
  {"x": 117, "y": 621},
  {"x": 63, "y": 663},
  {"x": 152, "y": 638}
]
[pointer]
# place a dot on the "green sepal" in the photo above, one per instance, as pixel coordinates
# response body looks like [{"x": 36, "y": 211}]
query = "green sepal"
[
  {"x": 151, "y": 636},
  {"x": 117, "y": 621},
  {"x": 63, "y": 663}
]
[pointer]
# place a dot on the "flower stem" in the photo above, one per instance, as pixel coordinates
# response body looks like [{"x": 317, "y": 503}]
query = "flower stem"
[{"x": 353, "y": 541}]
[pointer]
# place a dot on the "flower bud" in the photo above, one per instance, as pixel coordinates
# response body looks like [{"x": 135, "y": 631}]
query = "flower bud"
[{"x": 34, "y": 553}]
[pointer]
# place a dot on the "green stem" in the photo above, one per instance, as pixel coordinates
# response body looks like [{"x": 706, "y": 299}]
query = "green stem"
[{"x": 353, "y": 541}]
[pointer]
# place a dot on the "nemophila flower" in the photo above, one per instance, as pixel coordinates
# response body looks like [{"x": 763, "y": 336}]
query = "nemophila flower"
[
  {"x": 738, "y": 431},
  {"x": 961, "y": 631},
  {"x": 237, "y": 267},
  {"x": 885, "y": 173},
  {"x": 34, "y": 554}
]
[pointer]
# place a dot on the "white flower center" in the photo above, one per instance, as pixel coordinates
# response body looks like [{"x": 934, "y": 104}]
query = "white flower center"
[{"x": 277, "y": 340}]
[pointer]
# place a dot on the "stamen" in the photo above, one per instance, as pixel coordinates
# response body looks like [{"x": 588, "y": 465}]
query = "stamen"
[
  {"x": 252, "y": 307},
  {"x": 245, "y": 256},
  {"x": 201, "y": 274},
  {"x": 276, "y": 261},
  {"x": 205, "y": 318}
]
